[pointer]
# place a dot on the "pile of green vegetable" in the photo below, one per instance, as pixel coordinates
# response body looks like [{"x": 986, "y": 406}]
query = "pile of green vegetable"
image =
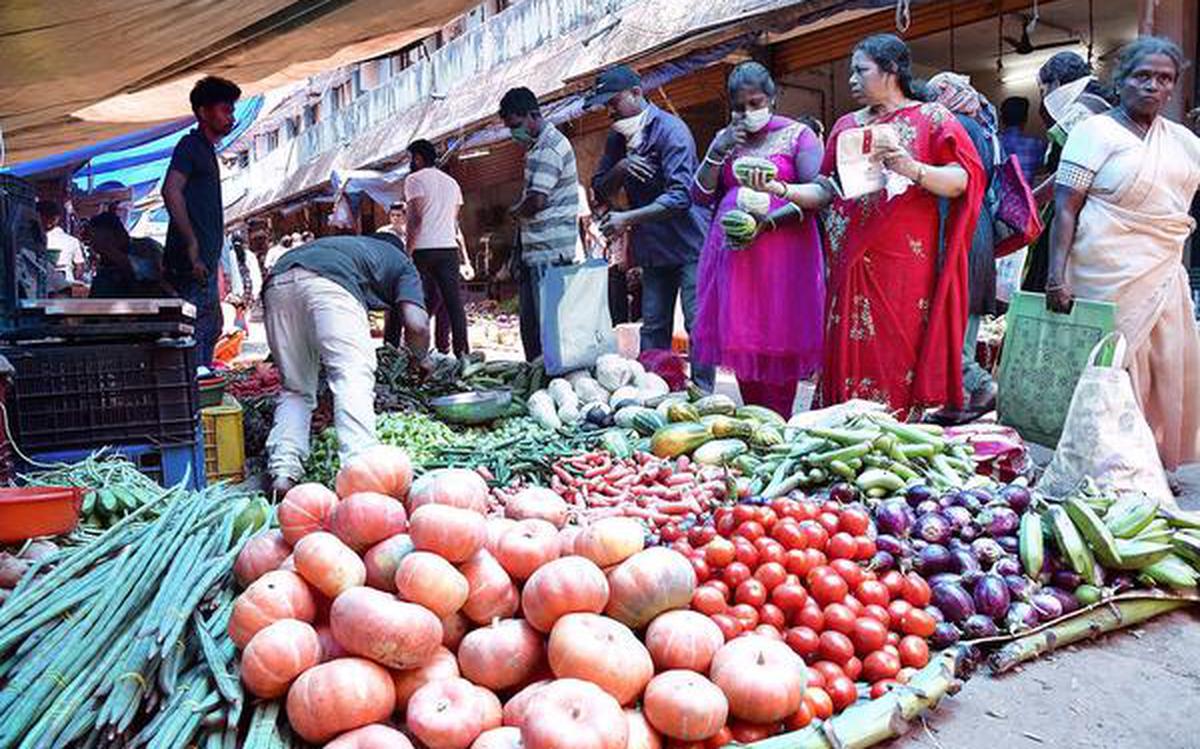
[
  {"x": 121, "y": 640},
  {"x": 115, "y": 488}
]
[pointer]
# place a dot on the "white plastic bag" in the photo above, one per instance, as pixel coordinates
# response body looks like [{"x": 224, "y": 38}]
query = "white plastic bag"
[
  {"x": 576, "y": 325},
  {"x": 1106, "y": 437},
  {"x": 1008, "y": 274}
]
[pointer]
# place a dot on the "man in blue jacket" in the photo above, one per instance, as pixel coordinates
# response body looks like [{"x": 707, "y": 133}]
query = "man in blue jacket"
[{"x": 651, "y": 154}]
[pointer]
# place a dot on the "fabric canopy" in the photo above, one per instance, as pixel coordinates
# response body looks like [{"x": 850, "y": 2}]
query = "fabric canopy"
[{"x": 80, "y": 72}]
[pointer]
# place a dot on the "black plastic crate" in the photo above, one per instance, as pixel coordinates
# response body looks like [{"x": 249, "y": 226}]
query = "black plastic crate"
[{"x": 85, "y": 396}]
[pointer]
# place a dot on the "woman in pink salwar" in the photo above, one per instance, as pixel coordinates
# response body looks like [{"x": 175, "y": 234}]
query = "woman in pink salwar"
[
  {"x": 1123, "y": 190},
  {"x": 760, "y": 305}
]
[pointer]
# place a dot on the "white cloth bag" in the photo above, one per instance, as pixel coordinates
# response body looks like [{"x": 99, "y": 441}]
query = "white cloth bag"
[
  {"x": 1106, "y": 437},
  {"x": 576, "y": 324}
]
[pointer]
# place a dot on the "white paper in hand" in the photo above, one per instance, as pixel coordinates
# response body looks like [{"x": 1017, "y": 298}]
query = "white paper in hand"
[{"x": 860, "y": 175}]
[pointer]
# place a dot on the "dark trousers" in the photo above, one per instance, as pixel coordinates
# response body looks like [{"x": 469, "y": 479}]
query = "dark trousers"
[
  {"x": 208, "y": 313},
  {"x": 661, "y": 284},
  {"x": 530, "y": 303},
  {"x": 618, "y": 296},
  {"x": 439, "y": 272}
]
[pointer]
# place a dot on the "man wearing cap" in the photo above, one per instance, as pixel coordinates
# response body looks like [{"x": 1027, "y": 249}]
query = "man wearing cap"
[{"x": 652, "y": 155}]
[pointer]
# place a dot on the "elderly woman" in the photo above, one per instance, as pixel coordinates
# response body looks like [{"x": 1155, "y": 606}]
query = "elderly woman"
[
  {"x": 760, "y": 304},
  {"x": 1124, "y": 187},
  {"x": 897, "y": 311}
]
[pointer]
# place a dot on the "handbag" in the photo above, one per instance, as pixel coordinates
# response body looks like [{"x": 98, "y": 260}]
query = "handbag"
[
  {"x": 1015, "y": 218},
  {"x": 1106, "y": 438},
  {"x": 576, "y": 324}
]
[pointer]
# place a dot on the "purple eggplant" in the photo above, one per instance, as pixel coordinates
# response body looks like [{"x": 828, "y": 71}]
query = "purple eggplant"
[
  {"x": 1006, "y": 566},
  {"x": 1017, "y": 497},
  {"x": 1066, "y": 579},
  {"x": 1010, "y": 544},
  {"x": 944, "y": 577},
  {"x": 970, "y": 578},
  {"x": 1047, "y": 606},
  {"x": 978, "y": 626},
  {"x": 843, "y": 493},
  {"x": 894, "y": 517},
  {"x": 883, "y": 561},
  {"x": 991, "y": 596},
  {"x": 998, "y": 521},
  {"x": 987, "y": 551},
  {"x": 932, "y": 559},
  {"x": 954, "y": 602},
  {"x": 1068, "y": 601},
  {"x": 957, "y": 544},
  {"x": 917, "y": 494},
  {"x": 1020, "y": 588},
  {"x": 944, "y": 635},
  {"x": 946, "y": 501},
  {"x": 973, "y": 503},
  {"x": 1020, "y": 617},
  {"x": 890, "y": 544},
  {"x": 1121, "y": 581},
  {"x": 969, "y": 532},
  {"x": 959, "y": 517},
  {"x": 933, "y": 527},
  {"x": 926, "y": 507},
  {"x": 936, "y": 613},
  {"x": 965, "y": 561}
]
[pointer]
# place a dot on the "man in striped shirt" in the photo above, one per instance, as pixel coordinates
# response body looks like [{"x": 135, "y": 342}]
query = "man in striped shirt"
[{"x": 547, "y": 212}]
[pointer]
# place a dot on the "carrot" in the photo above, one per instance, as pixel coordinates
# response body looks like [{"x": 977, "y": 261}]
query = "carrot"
[{"x": 679, "y": 479}]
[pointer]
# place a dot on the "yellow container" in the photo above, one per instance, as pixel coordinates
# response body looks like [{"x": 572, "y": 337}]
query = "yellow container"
[{"x": 224, "y": 445}]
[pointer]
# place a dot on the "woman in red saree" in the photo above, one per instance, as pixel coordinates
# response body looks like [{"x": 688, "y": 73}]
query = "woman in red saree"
[{"x": 896, "y": 309}]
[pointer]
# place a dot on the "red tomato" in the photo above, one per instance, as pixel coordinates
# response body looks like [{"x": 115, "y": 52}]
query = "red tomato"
[
  {"x": 708, "y": 600},
  {"x": 841, "y": 546},
  {"x": 670, "y": 532},
  {"x": 896, "y": 610},
  {"x": 744, "y": 551},
  {"x": 799, "y": 719},
  {"x": 880, "y": 665},
  {"x": 767, "y": 517},
  {"x": 893, "y": 639},
  {"x": 752, "y": 592},
  {"x": 829, "y": 521},
  {"x": 819, "y": 701},
  {"x": 781, "y": 505},
  {"x": 730, "y": 626},
  {"x": 719, "y": 552},
  {"x": 751, "y": 529},
  {"x": 746, "y": 614},
  {"x": 839, "y": 618},
  {"x": 725, "y": 525},
  {"x": 681, "y": 744},
  {"x": 827, "y": 588},
  {"x": 699, "y": 535},
  {"x": 810, "y": 616},
  {"x": 748, "y": 733},
  {"x": 917, "y": 622},
  {"x": 853, "y": 668},
  {"x": 916, "y": 590},
  {"x": 879, "y": 613},
  {"x": 880, "y": 688},
  {"x": 854, "y": 521},
  {"x": 771, "y": 575},
  {"x": 843, "y": 693},
  {"x": 735, "y": 574},
  {"x": 770, "y": 550},
  {"x": 771, "y": 614},
  {"x": 833, "y": 506},
  {"x": 868, "y": 635},
  {"x": 815, "y": 678},
  {"x": 788, "y": 533},
  {"x": 864, "y": 548},
  {"x": 914, "y": 652},
  {"x": 768, "y": 630},
  {"x": 701, "y": 568},
  {"x": 894, "y": 580},
  {"x": 836, "y": 647},
  {"x": 796, "y": 562},
  {"x": 803, "y": 640},
  {"x": 850, "y": 571},
  {"x": 743, "y": 513},
  {"x": 815, "y": 534},
  {"x": 854, "y": 605},
  {"x": 828, "y": 670},
  {"x": 681, "y": 545},
  {"x": 872, "y": 592},
  {"x": 789, "y": 597},
  {"x": 719, "y": 739},
  {"x": 889, "y": 648},
  {"x": 815, "y": 558},
  {"x": 809, "y": 510}
]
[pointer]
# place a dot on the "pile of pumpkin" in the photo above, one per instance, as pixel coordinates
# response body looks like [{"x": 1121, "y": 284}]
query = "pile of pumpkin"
[{"x": 398, "y": 600}]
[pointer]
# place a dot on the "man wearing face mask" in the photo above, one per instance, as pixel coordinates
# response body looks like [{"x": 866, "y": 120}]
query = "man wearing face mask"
[
  {"x": 547, "y": 213},
  {"x": 651, "y": 155}
]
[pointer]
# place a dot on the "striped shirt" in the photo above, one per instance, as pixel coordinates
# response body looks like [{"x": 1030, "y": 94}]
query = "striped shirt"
[{"x": 550, "y": 235}]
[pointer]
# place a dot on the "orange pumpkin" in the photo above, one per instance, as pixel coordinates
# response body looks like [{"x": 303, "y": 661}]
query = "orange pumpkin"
[
  {"x": 504, "y": 737},
  {"x": 649, "y": 583},
  {"x": 339, "y": 696},
  {"x": 428, "y": 579},
  {"x": 566, "y": 540},
  {"x": 683, "y": 639},
  {"x": 684, "y": 705},
  {"x": 304, "y": 510},
  {"x": 383, "y": 559},
  {"x": 602, "y": 651},
  {"x": 385, "y": 469},
  {"x": 611, "y": 540},
  {"x": 277, "y": 654},
  {"x": 519, "y": 703},
  {"x": 492, "y": 593},
  {"x": 504, "y": 654},
  {"x": 451, "y": 532},
  {"x": 454, "y": 628},
  {"x": 457, "y": 487},
  {"x": 364, "y": 519},
  {"x": 762, "y": 678},
  {"x": 261, "y": 554},
  {"x": 443, "y": 665},
  {"x": 374, "y": 736},
  {"x": 276, "y": 595},
  {"x": 331, "y": 649},
  {"x": 568, "y": 585},
  {"x": 528, "y": 546},
  {"x": 539, "y": 503},
  {"x": 574, "y": 714},
  {"x": 327, "y": 564},
  {"x": 496, "y": 528},
  {"x": 641, "y": 734},
  {"x": 375, "y": 625},
  {"x": 451, "y": 714}
]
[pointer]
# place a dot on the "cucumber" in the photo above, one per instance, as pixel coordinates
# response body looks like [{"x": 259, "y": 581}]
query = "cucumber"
[
  {"x": 1032, "y": 544},
  {"x": 719, "y": 452}
]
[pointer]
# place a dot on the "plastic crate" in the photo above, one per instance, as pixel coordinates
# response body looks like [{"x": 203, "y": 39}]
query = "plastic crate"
[
  {"x": 67, "y": 396},
  {"x": 224, "y": 443},
  {"x": 167, "y": 464}
]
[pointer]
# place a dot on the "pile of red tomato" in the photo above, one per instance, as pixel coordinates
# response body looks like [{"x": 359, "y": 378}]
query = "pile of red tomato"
[{"x": 798, "y": 570}]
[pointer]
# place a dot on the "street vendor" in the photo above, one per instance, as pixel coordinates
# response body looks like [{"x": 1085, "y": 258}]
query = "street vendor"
[{"x": 316, "y": 302}]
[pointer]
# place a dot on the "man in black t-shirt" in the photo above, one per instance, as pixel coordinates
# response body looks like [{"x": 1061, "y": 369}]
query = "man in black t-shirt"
[
  {"x": 316, "y": 301},
  {"x": 192, "y": 194}
]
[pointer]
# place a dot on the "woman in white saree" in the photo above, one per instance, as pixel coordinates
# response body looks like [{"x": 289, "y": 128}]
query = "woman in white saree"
[{"x": 1124, "y": 187}]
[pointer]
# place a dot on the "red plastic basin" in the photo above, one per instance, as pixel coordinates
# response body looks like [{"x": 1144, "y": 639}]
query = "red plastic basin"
[{"x": 31, "y": 511}]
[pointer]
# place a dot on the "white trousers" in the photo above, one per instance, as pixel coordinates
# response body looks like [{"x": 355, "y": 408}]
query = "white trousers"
[{"x": 312, "y": 321}]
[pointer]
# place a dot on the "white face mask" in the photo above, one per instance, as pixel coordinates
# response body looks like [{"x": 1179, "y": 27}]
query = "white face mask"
[
  {"x": 631, "y": 128},
  {"x": 756, "y": 119}
]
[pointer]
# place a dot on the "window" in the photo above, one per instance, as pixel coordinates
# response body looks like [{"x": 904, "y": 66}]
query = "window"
[
  {"x": 243, "y": 159},
  {"x": 272, "y": 140},
  {"x": 293, "y": 126},
  {"x": 342, "y": 95},
  {"x": 312, "y": 114}
]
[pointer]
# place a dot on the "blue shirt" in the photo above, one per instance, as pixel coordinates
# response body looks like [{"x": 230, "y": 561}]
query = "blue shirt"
[
  {"x": 1029, "y": 150},
  {"x": 196, "y": 159},
  {"x": 670, "y": 148}
]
